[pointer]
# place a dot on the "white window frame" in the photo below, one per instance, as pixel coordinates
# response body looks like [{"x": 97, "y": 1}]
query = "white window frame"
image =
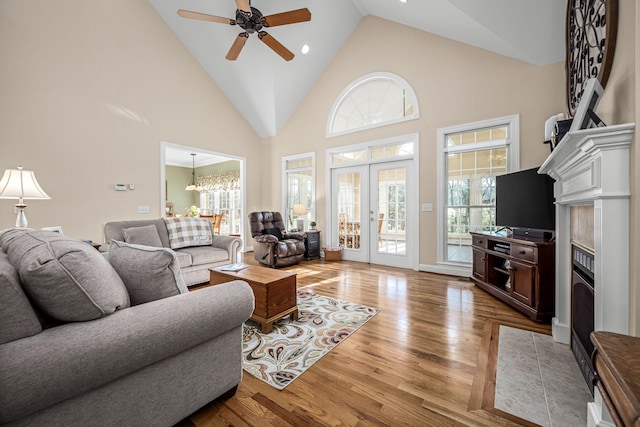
[
  {"x": 409, "y": 92},
  {"x": 285, "y": 184},
  {"x": 512, "y": 144}
]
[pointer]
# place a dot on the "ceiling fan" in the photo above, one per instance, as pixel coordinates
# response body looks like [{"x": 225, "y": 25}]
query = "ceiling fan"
[{"x": 251, "y": 20}]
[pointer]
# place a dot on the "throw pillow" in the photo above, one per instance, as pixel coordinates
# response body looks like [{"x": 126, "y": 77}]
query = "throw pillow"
[
  {"x": 148, "y": 273},
  {"x": 184, "y": 232},
  {"x": 274, "y": 232},
  {"x": 146, "y": 235},
  {"x": 66, "y": 278},
  {"x": 17, "y": 317}
]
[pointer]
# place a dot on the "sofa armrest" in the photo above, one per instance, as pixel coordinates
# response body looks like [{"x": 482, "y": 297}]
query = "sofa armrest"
[
  {"x": 296, "y": 236},
  {"x": 73, "y": 358},
  {"x": 266, "y": 238},
  {"x": 230, "y": 243}
]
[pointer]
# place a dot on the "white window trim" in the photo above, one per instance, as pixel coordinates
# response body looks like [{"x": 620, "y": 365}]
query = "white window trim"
[
  {"x": 285, "y": 182},
  {"x": 513, "y": 164},
  {"x": 372, "y": 76}
]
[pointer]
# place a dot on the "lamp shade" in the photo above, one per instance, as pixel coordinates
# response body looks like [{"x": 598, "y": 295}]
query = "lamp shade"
[
  {"x": 299, "y": 209},
  {"x": 20, "y": 184}
]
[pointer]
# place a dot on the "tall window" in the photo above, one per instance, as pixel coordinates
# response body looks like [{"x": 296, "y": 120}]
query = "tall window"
[
  {"x": 298, "y": 189},
  {"x": 222, "y": 195},
  {"x": 373, "y": 100},
  {"x": 471, "y": 156}
]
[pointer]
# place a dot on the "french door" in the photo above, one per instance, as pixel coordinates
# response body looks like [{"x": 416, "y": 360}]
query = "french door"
[{"x": 373, "y": 214}]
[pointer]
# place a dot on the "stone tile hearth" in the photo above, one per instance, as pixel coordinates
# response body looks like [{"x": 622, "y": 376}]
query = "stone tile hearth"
[{"x": 538, "y": 380}]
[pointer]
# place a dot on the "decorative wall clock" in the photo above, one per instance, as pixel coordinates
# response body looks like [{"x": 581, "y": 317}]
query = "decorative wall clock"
[{"x": 592, "y": 26}]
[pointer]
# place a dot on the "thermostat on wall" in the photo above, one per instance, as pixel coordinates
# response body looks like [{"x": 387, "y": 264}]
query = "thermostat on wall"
[{"x": 121, "y": 187}]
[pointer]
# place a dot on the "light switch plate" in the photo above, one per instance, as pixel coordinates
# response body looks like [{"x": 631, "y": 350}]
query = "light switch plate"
[
  {"x": 121, "y": 187},
  {"x": 427, "y": 207},
  {"x": 143, "y": 209}
]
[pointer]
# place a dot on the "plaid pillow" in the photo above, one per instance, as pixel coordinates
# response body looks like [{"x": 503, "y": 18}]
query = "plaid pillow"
[{"x": 189, "y": 231}]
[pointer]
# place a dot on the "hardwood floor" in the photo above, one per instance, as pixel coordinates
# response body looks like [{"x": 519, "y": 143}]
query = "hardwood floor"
[{"x": 427, "y": 359}]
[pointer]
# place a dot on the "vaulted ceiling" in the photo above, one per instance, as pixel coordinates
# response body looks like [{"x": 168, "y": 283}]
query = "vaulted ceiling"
[{"x": 266, "y": 89}]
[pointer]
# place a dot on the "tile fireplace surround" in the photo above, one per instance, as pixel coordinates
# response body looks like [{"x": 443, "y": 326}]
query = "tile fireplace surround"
[{"x": 591, "y": 167}]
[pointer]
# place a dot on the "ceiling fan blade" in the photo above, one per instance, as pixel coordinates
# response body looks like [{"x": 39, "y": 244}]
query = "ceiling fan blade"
[
  {"x": 277, "y": 47},
  {"x": 237, "y": 46},
  {"x": 291, "y": 17},
  {"x": 204, "y": 17},
  {"x": 244, "y": 6}
]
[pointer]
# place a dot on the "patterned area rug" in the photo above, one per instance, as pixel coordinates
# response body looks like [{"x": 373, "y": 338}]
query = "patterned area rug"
[{"x": 294, "y": 346}]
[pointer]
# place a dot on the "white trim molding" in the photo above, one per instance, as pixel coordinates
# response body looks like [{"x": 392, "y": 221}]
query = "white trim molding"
[{"x": 591, "y": 166}]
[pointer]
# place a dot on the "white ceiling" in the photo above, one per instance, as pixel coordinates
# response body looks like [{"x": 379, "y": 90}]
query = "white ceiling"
[
  {"x": 266, "y": 89},
  {"x": 176, "y": 156}
]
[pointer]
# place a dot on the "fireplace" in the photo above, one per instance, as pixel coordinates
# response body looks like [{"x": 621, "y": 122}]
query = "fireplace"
[
  {"x": 591, "y": 167},
  {"x": 582, "y": 301}
]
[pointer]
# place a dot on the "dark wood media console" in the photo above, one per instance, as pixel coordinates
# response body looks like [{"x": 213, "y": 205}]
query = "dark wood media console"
[{"x": 519, "y": 271}]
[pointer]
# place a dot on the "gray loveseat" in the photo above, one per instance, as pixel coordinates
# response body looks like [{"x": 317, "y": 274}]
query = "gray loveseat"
[
  {"x": 74, "y": 351},
  {"x": 195, "y": 261}
]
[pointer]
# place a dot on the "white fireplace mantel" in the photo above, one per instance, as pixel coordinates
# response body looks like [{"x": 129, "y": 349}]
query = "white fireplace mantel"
[{"x": 591, "y": 166}]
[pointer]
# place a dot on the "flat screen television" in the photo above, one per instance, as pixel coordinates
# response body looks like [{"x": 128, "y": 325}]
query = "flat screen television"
[{"x": 525, "y": 202}]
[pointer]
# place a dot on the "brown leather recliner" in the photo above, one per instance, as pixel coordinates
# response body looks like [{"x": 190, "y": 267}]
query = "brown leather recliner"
[{"x": 268, "y": 248}]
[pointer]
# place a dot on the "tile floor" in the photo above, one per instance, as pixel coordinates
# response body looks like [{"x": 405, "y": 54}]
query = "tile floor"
[{"x": 538, "y": 380}]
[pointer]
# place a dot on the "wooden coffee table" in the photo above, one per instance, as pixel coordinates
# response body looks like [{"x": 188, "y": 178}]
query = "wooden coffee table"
[{"x": 274, "y": 291}]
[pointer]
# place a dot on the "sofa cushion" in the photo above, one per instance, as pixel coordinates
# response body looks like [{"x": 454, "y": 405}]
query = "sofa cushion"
[
  {"x": 68, "y": 279},
  {"x": 205, "y": 254},
  {"x": 149, "y": 273},
  {"x": 17, "y": 317},
  {"x": 184, "y": 258},
  {"x": 146, "y": 235},
  {"x": 184, "y": 232},
  {"x": 274, "y": 232},
  {"x": 113, "y": 229}
]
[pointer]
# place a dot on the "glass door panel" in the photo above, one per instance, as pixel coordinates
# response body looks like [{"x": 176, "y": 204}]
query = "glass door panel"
[
  {"x": 350, "y": 206},
  {"x": 391, "y": 214}
]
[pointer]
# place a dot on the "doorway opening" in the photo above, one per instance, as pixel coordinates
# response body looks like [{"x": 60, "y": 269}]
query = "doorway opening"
[{"x": 221, "y": 188}]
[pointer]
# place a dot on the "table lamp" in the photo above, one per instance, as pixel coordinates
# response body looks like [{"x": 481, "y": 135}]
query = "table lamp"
[
  {"x": 300, "y": 209},
  {"x": 20, "y": 184}
]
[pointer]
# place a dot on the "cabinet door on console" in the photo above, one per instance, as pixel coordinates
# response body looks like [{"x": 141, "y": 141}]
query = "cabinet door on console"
[
  {"x": 522, "y": 282},
  {"x": 479, "y": 265}
]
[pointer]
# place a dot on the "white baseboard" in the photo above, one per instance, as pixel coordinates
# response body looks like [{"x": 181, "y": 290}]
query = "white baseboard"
[
  {"x": 597, "y": 412},
  {"x": 561, "y": 332},
  {"x": 449, "y": 270}
]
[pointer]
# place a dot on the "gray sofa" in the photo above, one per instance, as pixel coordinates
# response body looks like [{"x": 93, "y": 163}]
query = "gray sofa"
[
  {"x": 75, "y": 352},
  {"x": 195, "y": 261}
]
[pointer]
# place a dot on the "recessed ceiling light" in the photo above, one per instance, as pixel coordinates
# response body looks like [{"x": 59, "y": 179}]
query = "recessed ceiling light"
[
  {"x": 305, "y": 49},
  {"x": 403, "y": 1}
]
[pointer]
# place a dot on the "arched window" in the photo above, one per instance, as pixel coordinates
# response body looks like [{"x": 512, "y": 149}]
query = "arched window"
[{"x": 373, "y": 100}]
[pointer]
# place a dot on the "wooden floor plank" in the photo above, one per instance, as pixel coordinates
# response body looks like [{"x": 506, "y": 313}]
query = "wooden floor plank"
[{"x": 427, "y": 358}]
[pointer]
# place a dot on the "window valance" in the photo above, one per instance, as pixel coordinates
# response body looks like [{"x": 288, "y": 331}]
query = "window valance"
[{"x": 220, "y": 182}]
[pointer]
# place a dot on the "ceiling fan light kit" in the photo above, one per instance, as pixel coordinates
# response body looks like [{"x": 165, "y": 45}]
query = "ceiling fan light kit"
[{"x": 251, "y": 20}]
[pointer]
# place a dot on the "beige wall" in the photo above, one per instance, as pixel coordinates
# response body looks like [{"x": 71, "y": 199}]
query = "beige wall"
[
  {"x": 449, "y": 79},
  {"x": 89, "y": 89},
  {"x": 177, "y": 179},
  {"x": 619, "y": 105}
]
